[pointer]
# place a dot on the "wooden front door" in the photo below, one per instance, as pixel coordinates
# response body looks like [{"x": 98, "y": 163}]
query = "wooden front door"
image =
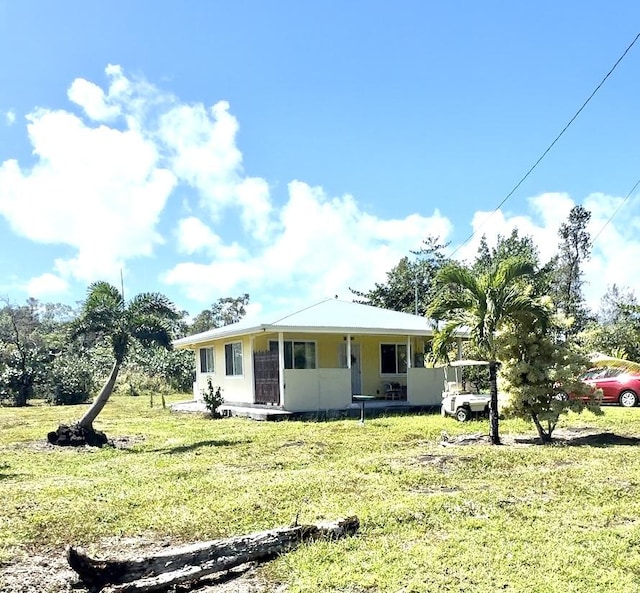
[{"x": 266, "y": 377}]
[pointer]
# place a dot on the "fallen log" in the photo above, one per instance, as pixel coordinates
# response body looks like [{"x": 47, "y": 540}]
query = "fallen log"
[{"x": 192, "y": 562}]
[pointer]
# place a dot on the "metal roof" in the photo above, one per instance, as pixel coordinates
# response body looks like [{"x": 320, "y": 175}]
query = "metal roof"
[{"x": 328, "y": 316}]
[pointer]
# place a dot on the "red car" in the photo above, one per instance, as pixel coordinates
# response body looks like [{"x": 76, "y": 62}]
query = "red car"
[{"x": 618, "y": 385}]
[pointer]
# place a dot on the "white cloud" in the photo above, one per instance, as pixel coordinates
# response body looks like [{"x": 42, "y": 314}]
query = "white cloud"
[
  {"x": 615, "y": 248},
  {"x": 203, "y": 152},
  {"x": 549, "y": 210},
  {"x": 46, "y": 285},
  {"x": 106, "y": 169},
  {"x": 253, "y": 197},
  {"x": 10, "y": 117},
  {"x": 92, "y": 99},
  {"x": 99, "y": 190},
  {"x": 194, "y": 236},
  {"x": 322, "y": 246}
]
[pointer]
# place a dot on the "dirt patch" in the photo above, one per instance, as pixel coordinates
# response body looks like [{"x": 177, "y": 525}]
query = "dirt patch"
[
  {"x": 48, "y": 572},
  {"x": 44, "y": 446},
  {"x": 441, "y": 461},
  {"x": 570, "y": 437}
]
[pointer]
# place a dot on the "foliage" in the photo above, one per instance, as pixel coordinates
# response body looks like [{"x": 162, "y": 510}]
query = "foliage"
[
  {"x": 541, "y": 278},
  {"x": 153, "y": 368},
  {"x": 213, "y": 398},
  {"x": 538, "y": 371},
  {"x": 224, "y": 311},
  {"x": 616, "y": 330},
  {"x": 470, "y": 518},
  {"x": 574, "y": 250},
  {"x": 147, "y": 319},
  {"x": 23, "y": 352},
  {"x": 484, "y": 303},
  {"x": 70, "y": 380},
  {"x": 409, "y": 281},
  {"x": 476, "y": 376}
]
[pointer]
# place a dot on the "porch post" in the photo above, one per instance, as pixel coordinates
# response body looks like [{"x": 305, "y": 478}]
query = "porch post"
[
  {"x": 459, "y": 341},
  {"x": 348, "y": 351},
  {"x": 196, "y": 391},
  {"x": 251, "y": 369},
  {"x": 281, "y": 366},
  {"x": 409, "y": 365}
]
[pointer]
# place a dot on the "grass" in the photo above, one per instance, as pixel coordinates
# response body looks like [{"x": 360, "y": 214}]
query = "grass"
[{"x": 448, "y": 519}]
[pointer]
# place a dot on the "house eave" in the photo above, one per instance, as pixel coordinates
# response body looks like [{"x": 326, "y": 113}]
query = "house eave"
[{"x": 192, "y": 342}]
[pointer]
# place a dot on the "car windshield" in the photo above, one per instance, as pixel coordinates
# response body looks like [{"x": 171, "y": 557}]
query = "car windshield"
[{"x": 602, "y": 373}]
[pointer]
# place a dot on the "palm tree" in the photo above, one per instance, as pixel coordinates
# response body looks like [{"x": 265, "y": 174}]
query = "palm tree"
[
  {"x": 147, "y": 318},
  {"x": 484, "y": 303}
]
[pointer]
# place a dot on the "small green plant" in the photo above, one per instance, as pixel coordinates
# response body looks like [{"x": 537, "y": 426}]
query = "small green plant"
[{"x": 212, "y": 398}]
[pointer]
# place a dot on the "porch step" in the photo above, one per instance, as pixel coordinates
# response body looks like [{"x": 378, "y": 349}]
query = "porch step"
[{"x": 254, "y": 413}]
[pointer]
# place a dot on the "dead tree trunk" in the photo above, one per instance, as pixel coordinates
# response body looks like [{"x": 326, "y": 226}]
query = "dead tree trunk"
[{"x": 189, "y": 563}]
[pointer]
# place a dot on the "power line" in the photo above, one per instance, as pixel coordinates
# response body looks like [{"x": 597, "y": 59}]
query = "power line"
[
  {"x": 615, "y": 211},
  {"x": 544, "y": 154}
]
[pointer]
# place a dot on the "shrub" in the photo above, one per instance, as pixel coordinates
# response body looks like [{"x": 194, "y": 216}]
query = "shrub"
[
  {"x": 70, "y": 381},
  {"x": 212, "y": 398}
]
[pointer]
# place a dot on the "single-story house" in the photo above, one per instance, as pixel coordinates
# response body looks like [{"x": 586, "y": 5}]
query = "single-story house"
[{"x": 318, "y": 358}]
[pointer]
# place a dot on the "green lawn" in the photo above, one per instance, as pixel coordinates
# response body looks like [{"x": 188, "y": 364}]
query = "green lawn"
[{"x": 474, "y": 518}]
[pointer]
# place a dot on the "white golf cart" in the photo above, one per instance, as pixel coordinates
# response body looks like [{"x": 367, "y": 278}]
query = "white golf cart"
[{"x": 458, "y": 401}]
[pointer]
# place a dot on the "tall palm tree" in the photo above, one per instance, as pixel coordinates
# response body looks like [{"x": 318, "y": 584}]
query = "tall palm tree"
[
  {"x": 483, "y": 303},
  {"x": 147, "y": 318}
]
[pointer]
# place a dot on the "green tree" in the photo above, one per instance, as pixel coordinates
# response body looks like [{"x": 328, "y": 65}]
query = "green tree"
[
  {"x": 523, "y": 248},
  {"x": 23, "y": 352},
  {"x": 574, "y": 249},
  {"x": 538, "y": 371},
  {"x": 147, "y": 318},
  {"x": 224, "y": 311},
  {"x": 485, "y": 303},
  {"x": 410, "y": 282},
  {"x": 616, "y": 329}
]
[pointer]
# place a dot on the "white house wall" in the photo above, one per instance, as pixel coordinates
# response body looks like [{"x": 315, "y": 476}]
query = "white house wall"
[
  {"x": 234, "y": 388},
  {"x": 310, "y": 390},
  {"x": 424, "y": 386}
]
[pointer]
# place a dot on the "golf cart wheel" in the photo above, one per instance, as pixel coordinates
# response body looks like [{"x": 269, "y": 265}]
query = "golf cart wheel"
[
  {"x": 463, "y": 414},
  {"x": 628, "y": 399}
]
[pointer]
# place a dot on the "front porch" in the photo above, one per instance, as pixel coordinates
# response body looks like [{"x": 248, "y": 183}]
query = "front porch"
[{"x": 263, "y": 412}]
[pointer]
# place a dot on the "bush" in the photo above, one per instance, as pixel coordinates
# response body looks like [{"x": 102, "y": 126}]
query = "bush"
[
  {"x": 212, "y": 398},
  {"x": 70, "y": 381}
]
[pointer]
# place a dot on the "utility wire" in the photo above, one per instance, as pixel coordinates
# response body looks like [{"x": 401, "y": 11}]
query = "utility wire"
[
  {"x": 544, "y": 154},
  {"x": 615, "y": 211}
]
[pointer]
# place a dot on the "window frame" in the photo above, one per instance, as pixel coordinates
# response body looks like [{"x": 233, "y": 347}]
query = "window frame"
[
  {"x": 204, "y": 351},
  {"x": 234, "y": 371},
  {"x": 397, "y": 360},
  {"x": 290, "y": 353}
]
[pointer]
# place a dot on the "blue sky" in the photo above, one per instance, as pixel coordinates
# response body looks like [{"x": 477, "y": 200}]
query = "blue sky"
[{"x": 292, "y": 150}]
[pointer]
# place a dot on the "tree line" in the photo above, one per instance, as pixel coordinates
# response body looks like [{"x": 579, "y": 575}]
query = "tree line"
[{"x": 50, "y": 351}]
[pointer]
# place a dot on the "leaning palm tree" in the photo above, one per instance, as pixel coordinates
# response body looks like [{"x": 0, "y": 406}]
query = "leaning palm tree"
[
  {"x": 484, "y": 303},
  {"x": 105, "y": 315}
]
